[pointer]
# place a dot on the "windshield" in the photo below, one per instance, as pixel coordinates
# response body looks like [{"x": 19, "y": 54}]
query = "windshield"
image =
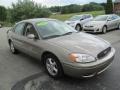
[
  {"x": 53, "y": 28},
  {"x": 76, "y": 18},
  {"x": 100, "y": 18}
]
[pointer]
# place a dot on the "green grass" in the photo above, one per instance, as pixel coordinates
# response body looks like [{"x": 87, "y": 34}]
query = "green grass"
[{"x": 66, "y": 16}]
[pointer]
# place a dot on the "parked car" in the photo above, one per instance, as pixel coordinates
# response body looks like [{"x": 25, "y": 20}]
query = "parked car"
[
  {"x": 78, "y": 21},
  {"x": 103, "y": 23},
  {"x": 60, "y": 48}
]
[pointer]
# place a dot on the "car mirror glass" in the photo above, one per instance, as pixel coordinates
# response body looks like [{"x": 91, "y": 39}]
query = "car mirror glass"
[
  {"x": 109, "y": 20},
  {"x": 31, "y": 36},
  {"x": 81, "y": 19}
]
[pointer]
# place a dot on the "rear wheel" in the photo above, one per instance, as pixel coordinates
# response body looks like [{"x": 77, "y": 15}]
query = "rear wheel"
[
  {"x": 119, "y": 27},
  {"x": 53, "y": 66},
  {"x": 12, "y": 48},
  {"x": 104, "y": 29},
  {"x": 78, "y": 27},
  {"x": 0, "y": 25}
]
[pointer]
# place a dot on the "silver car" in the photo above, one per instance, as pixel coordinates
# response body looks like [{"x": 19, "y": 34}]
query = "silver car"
[
  {"x": 78, "y": 21},
  {"x": 60, "y": 48},
  {"x": 103, "y": 23}
]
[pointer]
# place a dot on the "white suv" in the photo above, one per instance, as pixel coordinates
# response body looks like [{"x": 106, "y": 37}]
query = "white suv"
[{"x": 78, "y": 21}]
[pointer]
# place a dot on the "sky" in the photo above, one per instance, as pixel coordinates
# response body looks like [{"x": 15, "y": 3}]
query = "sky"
[{"x": 48, "y": 3}]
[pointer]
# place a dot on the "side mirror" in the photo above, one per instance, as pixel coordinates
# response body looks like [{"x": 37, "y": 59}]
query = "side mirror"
[
  {"x": 81, "y": 19},
  {"x": 31, "y": 36},
  {"x": 109, "y": 20}
]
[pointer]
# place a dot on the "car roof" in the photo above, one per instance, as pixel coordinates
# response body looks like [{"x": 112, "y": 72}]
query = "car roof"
[
  {"x": 82, "y": 14},
  {"x": 108, "y": 15},
  {"x": 35, "y": 20}
]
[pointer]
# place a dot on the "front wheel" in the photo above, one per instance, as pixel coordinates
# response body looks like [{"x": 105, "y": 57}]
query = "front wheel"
[
  {"x": 119, "y": 27},
  {"x": 53, "y": 66},
  {"x": 78, "y": 27},
  {"x": 12, "y": 48},
  {"x": 104, "y": 29}
]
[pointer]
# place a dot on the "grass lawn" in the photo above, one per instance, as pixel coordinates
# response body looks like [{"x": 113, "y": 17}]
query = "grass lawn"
[{"x": 66, "y": 16}]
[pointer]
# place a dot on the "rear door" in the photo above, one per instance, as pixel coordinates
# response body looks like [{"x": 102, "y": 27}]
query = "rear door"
[
  {"x": 110, "y": 23},
  {"x": 17, "y": 36}
]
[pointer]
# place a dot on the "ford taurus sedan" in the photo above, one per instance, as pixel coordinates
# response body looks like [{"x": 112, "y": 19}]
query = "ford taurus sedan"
[
  {"x": 78, "y": 21},
  {"x": 60, "y": 48},
  {"x": 103, "y": 23}
]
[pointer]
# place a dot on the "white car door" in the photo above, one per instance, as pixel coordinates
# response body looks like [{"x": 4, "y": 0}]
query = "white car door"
[
  {"x": 110, "y": 23},
  {"x": 83, "y": 20}
]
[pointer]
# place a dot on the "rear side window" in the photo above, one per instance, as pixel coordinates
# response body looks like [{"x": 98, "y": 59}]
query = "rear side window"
[
  {"x": 19, "y": 28},
  {"x": 88, "y": 16}
]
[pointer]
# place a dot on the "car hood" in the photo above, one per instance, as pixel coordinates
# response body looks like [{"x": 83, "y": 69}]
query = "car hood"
[
  {"x": 95, "y": 23},
  {"x": 81, "y": 43},
  {"x": 71, "y": 21}
]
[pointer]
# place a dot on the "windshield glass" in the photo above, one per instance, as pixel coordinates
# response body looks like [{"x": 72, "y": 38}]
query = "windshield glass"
[
  {"x": 53, "y": 28},
  {"x": 76, "y": 18},
  {"x": 100, "y": 18}
]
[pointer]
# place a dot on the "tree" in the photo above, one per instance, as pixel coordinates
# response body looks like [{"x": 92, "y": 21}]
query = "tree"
[
  {"x": 3, "y": 13},
  {"x": 26, "y": 9},
  {"x": 73, "y": 8},
  {"x": 109, "y": 7},
  {"x": 92, "y": 7}
]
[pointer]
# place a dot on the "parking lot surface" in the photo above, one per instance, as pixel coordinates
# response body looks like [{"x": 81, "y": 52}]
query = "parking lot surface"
[{"x": 21, "y": 71}]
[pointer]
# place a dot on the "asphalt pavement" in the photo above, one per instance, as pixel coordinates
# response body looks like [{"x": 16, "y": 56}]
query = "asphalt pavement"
[{"x": 21, "y": 72}]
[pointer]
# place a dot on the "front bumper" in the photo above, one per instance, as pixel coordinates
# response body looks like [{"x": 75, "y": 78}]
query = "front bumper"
[
  {"x": 92, "y": 29},
  {"x": 89, "y": 69}
]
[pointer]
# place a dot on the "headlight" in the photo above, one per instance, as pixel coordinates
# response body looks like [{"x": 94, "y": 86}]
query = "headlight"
[
  {"x": 72, "y": 22},
  {"x": 81, "y": 58}
]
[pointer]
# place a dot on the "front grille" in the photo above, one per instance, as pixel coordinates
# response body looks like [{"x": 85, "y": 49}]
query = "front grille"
[
  {"x": 88, "y": 26},
  {"x": 88, "y": 30},
  {"x": 104, "y": 53}
]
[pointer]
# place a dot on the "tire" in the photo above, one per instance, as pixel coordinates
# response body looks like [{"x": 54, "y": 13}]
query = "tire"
[
  {"x": 119, "y": 27},
  {"x": 78, "y": 27},
  {"x": 12, "y": 48},
  {"x": 104, "y": 29},
  {"x": 0, "y": 25},
  {"x": 53, "y": 66}
]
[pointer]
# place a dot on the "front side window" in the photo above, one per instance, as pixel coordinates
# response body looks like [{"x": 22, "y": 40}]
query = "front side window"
[
  {"x": 19, "y": 28},
  {"x": 53, "y": 28},
  {"x": 29, "y": 29},
  {"x": 76, "y": 17},
  {"x": 115, "y": 17}
]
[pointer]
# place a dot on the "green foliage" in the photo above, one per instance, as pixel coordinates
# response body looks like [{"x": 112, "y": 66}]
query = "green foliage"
[
  {"x": 71, "y": 9},
  {"x": 109, "y": 7},
  {"x": 3, "y": 13},
  {"x": 55, "y": 9},
  {"x": 92, "y": 7},
  {"x": 26, "y": 9}
]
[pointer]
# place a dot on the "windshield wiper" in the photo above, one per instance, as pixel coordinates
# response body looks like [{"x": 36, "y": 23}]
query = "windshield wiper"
[
  {"x": 68, "y": 33},
  {"x": 53, "y": 36}
]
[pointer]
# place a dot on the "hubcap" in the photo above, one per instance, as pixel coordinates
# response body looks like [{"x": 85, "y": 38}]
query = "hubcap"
[
  {"x": 119, "y": 26},
  {"x": 51, "y": 66},
  {"x": 12, "y": 47},
  {"x": 104, "y": 29},
  {"x": 78, "y": 28}
]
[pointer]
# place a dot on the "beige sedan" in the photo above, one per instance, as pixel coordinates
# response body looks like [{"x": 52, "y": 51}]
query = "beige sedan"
[{"x": 60, "y": 48}]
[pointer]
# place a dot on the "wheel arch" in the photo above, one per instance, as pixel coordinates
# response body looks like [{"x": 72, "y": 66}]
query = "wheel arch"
[
  {"x": 105, "y": 26},
  {"x": 9, "y": 41},
  {"x": 45, "y": 53}
]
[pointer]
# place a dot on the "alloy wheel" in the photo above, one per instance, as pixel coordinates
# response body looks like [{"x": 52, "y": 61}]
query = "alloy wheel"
[{"x": 51, "y": 66}]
